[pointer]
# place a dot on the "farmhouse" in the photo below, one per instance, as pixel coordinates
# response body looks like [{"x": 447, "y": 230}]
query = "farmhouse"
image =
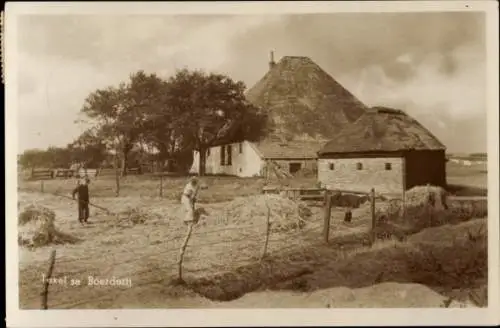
[
  {"x": 305, "y": 106},
  {"x": 265, "y": 158},
  {"x": 384, "y": 149}
]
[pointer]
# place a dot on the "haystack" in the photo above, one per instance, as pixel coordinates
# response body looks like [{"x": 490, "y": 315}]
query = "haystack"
[
  {"x": 427, "y": 195},
  {"x": 424, "y": 206},
  {"x": 36, "y": 228},
  {"x": 135, "y": 215},
  {"x": 285, "y": 214}
]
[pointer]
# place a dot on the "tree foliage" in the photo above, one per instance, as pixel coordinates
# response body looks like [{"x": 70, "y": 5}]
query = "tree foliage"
[
  {"x": 191, "y": 110},
  {"x": 211, "y": 108},
  {"x": 118, "y": 113},
  {"x": 88, "y": 148}
]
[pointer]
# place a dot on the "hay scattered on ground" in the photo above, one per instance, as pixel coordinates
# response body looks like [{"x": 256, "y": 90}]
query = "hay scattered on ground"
[
  {"x": 424, "y": 207},
  {"x": 317, "y": 267},
  {"x": 135, "y": 215},
  {"x": 36, "y": 228},
  {"x": 285, "y": 214}
]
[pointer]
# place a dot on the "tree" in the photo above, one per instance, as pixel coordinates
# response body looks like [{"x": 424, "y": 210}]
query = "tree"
[
  {"x": 32, "y": 158},
  {"x": 211, "y": 108},
  {"x": 89, "y": 148},
  {"x": 161, "y": 127},
  {"x": 118, "y": 112},
  {"x": 58, "y": 157}
]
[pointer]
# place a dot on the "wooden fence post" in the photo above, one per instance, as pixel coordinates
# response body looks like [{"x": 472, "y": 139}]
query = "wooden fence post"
[
  {"x": 374, "y": 219},
  {"x": 45, "y": 292},
  {"x": 161, "y": 185},
  {"x": 117, "y": 176},
  {"x": 41, "y": 186},
  {"x": 268, "y": 230},
  {"x": 327, "y": 216},
  {"x": 404, "y": 205},
  {"x": 183, "y": 250}
]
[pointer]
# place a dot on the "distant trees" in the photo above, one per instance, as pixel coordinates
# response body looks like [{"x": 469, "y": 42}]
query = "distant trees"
[
  {"x": 32, "y": 158},
  {"x": 191, "y": 110}
]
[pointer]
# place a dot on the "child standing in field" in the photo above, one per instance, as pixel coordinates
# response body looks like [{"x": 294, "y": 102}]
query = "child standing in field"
[{"x": 82, "y": 189}]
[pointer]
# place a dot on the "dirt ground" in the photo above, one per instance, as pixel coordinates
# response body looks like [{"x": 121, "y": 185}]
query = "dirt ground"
[{"x": 222, "y": 266}]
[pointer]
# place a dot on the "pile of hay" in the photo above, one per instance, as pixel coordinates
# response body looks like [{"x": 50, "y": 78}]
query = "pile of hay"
[
  {"x": 424, "y": 207},
  {"x": 284, "y": 214},
  {"x": 135, "y": 215},
  {"x": 427, "y": 195},
  {"x": 36, "y": 228}
]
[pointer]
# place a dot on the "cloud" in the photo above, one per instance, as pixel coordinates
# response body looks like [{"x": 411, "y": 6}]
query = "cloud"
[
  {"x": 459, "y": 95},
  {"x": 429, "y": 63},
  {"x": 436, "y": 97},
  {"x": 66, "y": 58},
  {"x": 58, "y": 89}
]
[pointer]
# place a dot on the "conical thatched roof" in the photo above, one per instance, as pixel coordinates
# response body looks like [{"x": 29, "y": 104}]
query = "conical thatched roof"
[
  {"x": 303, "y": 101},
  {"x": 382, "y": 130}
]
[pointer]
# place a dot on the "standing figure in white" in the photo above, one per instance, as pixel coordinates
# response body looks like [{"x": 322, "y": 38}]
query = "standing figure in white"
[{"x": 188, "y": 199}]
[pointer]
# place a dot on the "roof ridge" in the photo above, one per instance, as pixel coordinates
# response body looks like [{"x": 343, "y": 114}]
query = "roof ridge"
[{"x": 383, "y": 129}]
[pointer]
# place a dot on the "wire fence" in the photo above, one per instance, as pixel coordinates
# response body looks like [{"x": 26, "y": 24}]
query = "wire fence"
[
  {"x": 171, "y": 259},
  {"x": 169, "y": 263}
]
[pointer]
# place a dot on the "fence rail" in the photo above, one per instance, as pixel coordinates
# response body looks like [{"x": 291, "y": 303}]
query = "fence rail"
[
  {"x": 329, "y": 199},
  {"x": 42, "y": 174}
]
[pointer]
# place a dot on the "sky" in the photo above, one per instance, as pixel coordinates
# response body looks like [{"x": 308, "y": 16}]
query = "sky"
[{"x": 432, "y": 65}]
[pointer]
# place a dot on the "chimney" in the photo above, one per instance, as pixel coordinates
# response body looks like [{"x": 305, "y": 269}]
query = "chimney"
[{"x": 271, "y": 60}]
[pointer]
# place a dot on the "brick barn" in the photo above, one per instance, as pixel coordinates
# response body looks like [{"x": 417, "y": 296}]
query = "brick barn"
[
  {"x": 305, "y": 106},
  {"x": 385, "y": 149}
]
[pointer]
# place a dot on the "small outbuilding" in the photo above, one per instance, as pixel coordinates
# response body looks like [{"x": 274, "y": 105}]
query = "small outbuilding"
[{"x": 385, "y": 149}]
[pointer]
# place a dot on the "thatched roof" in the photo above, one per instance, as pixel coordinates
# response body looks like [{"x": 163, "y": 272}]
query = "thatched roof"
[
  {"x": 382, "y": 129},
  {"x": 294, "y": 149},
  {"x": 303, "y": 101}
]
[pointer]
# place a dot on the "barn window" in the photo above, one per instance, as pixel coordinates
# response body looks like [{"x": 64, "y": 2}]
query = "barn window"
[
  {"x": 332, "y": 166},
  {"x": 222, "y": 156},
  {"x": 241, "y": 147},
  {"x": 388, "y": 166},
  {"x": 229, "y": 154},
  {"x": 294, "y": 167},
  {"x": 359, "y": 166}
]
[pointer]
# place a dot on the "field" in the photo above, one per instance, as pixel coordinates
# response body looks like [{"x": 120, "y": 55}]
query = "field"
[
  {"x": 467, "y": 180},
  {"x": 223, "y": 265}
]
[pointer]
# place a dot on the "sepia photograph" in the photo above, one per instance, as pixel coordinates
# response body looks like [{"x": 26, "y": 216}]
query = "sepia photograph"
[{"x": 212, "y": 158}]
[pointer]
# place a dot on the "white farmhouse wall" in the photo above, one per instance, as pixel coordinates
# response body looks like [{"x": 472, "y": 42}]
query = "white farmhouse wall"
[
  {"x": 245, "y": 164},
  {"x": 346, "y": 176}
]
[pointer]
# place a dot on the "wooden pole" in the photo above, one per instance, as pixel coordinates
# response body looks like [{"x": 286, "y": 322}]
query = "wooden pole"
[
  {"x": 45, "y": 292},
  {"x": 374, "y": 220},
  {"x": 268, "y": 231},
  {"x": 117, "y": 176},
  {"x": 404, "y": 205},
  {"x": 326, "y": 220},
  {"x": 161, "y": 185},
  {"x": 183, "y": 250}
]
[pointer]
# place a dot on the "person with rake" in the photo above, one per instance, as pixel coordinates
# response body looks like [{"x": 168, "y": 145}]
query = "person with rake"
[
  {"x": 188, "y": 200},
  {"x": 82, "y": 189}
]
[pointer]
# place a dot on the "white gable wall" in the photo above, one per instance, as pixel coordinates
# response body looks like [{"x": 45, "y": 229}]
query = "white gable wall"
[{"x": 248, "y": 163}]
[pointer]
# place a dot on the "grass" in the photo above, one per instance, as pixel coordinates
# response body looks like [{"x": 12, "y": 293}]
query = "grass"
[
  {"x": 224, "y": 265},
  {"x": 220, "y": 188},
  {"x": 462, "y": 181},
  {"x": 421, "y": 259},
  {"x": 467, "y": 180}
]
